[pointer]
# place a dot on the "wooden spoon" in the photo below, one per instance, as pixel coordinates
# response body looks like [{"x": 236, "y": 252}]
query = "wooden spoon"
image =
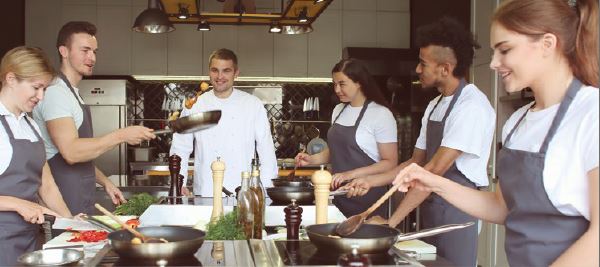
[
  {"x": 128, "y": 227},
  {"x": 292, "y": 174},
  {"x": 352, "y": 224}
]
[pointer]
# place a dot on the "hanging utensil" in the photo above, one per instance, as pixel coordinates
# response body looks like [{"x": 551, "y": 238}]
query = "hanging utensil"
[
  {"x": 352, "y": 224},
  {"x": 192, "y": 123}
]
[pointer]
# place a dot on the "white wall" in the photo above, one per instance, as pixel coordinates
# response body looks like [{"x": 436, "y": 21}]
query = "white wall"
[{"x": 373, "y": 23}]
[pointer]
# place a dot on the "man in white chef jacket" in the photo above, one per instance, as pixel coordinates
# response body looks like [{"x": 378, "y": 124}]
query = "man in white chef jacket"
[{"x": 242, "y": 128}]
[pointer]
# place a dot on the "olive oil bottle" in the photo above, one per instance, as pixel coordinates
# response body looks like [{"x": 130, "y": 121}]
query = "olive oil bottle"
[
  {"x": 259, "y": 200},
  {"x": 245, "y": 209}
]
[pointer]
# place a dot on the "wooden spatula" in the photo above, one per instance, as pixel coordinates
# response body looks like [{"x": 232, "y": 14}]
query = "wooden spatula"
[{"x": 127, "y": 227}]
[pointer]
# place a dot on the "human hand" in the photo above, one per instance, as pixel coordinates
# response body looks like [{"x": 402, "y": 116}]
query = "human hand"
[
  {"x": 414, "y": 176},
  {"x": 185, "y": 191},
  {"x": 302, "y": 159},
  {"x": 114, "y": 193},
  {"x": 339, "y": 178},
  {"x": 33, "y": 212},
  {"x": 376, "y": 220},
  {"x": 357, "y": 187},
  {"x": 134, "y": 135}
]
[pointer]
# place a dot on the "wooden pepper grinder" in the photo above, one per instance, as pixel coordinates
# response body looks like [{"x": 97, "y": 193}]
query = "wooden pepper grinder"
[
  {"x": 218, "y": 171},
  {"x": 293, "y": 218},
  {"x": 321, "y": 180},
  {"x": 174, "y": 167}
]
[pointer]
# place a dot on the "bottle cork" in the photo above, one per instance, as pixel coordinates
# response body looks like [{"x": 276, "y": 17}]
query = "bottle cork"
[
  {"x": 321, "y": 180},
  {"x": 218, "y": 171}
]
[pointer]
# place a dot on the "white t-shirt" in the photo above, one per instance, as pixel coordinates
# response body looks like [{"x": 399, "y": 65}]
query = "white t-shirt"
[
  {"x": 243, "y": 121},
  {"x": 469, "y": 128},
  {"x": 20, "y": 129},
  {"x": 572, "y": 152},
  {"x": 377, "y": 126},
  {"x": 58, "y": 102}
]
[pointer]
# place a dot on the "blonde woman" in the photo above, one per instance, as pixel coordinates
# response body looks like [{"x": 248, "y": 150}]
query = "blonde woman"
[{"x": 25, "y": 178}]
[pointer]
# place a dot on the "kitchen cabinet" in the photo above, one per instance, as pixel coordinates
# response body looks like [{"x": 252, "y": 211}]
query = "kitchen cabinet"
[
  {"x": 42, "y": 22},
  {"x": 388, "y": 25},
  {"x": 184, "y": 52},
  {"x": 255, "y": 51},
  {"x": 78, "y": 12},
  {"x": 149, "y": 51},
  {"x": 360, "y": 28},
  {"x": 221, "y": 36},
  {"x": 114, "y": 40}
]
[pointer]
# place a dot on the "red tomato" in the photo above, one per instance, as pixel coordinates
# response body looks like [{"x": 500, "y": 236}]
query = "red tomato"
[
  {"x": 134, "y": 223},
  {"x": 89, "y": 236}
]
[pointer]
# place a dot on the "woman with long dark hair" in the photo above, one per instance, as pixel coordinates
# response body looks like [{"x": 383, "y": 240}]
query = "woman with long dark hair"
[{"x": 362, "y": 139}]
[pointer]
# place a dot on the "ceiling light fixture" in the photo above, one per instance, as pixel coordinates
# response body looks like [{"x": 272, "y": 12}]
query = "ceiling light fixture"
[
  {"x": 183, "y": 12},
  {"x": 153, "y": 20},
  {"x": 275, "y": 27},
  {"x": 296, "y": 29},
  {"x": 303, "y": 16},
  {"x": 203, "y": 26}
]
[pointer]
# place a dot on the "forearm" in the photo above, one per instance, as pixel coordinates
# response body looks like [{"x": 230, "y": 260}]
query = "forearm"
[
  {"x": 411, "y": 200},
  {"x": 586, "y": 247},
  {"x": 87, "y": 149},
  {"x": 488, "y": 206},
  {"x": 387, "y": 178},
  {"x": 9, "y": 203},
  {"x": 320, "y": 158},
  {"x": 101, "y": 178}
]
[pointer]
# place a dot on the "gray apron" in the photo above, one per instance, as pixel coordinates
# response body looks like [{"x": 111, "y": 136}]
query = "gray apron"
[
  {"x": 460, "y": 246},
  {"x": 77, "y": 182},
  {"x": 22, "y": 179},
  {"x": 346, "y": 155},
  {"x": 536, "y": 232}
]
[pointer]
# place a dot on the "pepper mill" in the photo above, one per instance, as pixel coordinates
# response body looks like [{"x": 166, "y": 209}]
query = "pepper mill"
[
  {"x": 293, "y": 218},
  {"x": 174, "y": 167},
  {"x": 218, "y": 171},
  {"x": 321, "y": 180}
]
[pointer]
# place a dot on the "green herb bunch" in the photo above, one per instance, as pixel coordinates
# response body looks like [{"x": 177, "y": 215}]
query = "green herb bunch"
[
  {"x": 225, "y": 228},
  {"x": 136, "y": 205}
]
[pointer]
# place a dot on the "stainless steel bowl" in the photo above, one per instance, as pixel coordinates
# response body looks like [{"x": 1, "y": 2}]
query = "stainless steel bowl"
[{"x": 54, "y": 257}]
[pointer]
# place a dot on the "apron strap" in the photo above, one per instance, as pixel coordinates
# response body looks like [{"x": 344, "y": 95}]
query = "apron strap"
[
  {"x": 64, "y": 78},
  {"x": 338, "y": 115},
  {"x": 362, "y": 112},
  {"x": 7, "y": 127},
  {"x": 560, "y": 114},
  {"x": 509, "y": 136},
  {"x": 461, "y": 85},
  {"x": 33, "y": 129}
]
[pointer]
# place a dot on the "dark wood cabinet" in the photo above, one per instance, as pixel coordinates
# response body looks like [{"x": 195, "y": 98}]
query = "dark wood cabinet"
[
  {"x": 423, "y": 12},
  {"x": 12, "y": 25}
]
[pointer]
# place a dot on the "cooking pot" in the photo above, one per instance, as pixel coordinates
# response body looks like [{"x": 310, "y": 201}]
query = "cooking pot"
[
  {"x": 54, "y": 257},
  {"x": 284, "y": 195},
  {"x": 371, "y": 238},
  {"x": 183, "y": 242}
]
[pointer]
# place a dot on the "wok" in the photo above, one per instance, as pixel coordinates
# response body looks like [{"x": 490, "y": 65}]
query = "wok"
[
  {"x": 284, "y": 195},
  {"x": 371, "y": 238},
  {"x": 183, "y": 242},
  {"x": 192, "y": 123},
  {"x": 296, "y": 182}
]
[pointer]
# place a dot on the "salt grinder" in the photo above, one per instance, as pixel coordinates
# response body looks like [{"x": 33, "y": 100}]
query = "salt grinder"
[
  {"x": 321, "y": 180},
  {"x": 293, "y": 218}
]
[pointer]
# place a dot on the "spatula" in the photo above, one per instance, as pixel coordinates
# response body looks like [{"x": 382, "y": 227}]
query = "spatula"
[
  {"x": 128, "y": 227},
  {"x": 292, "y": 174},
  {"x": 352, "y": 224}
]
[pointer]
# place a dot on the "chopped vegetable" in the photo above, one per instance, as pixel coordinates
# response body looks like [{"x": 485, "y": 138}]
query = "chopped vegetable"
[
  {"x": 134, "y": 223},
  {"x": 136, "y": 205},
  {"x": 89, "y": 236},
  {"x": 226, "y": 228}
]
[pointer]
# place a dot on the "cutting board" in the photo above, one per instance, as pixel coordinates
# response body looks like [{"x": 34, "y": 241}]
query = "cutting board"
[
  {"x": 417, "y": 246},
  {"x": 61, "y": 241}
]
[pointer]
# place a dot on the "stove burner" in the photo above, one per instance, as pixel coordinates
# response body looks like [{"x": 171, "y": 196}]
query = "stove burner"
[
  {"x": 305, "y": 253},
  {"x": 113, "y": 259}
]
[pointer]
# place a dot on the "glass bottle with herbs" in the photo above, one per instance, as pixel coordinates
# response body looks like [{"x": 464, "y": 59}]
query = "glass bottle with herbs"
[
  {"x": 245, "y": 209},
  {"x": 259, "y": 200}
]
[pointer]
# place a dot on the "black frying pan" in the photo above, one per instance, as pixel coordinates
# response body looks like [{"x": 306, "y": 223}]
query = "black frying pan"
[
  {"x": 183, "y": 242},
  {"x": 192, "y": 123},
  {"x": 371, "y": 238}
]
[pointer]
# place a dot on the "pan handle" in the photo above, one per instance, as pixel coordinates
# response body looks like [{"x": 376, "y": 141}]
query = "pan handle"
[
  {"x": 163, "y": 131},
  {"x": 432, "y": 231}
]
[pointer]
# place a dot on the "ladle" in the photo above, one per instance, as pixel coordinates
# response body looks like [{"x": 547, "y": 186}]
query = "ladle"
[
  {"x": 129, "y": 228},
  {"x": 352, "y": 224}
]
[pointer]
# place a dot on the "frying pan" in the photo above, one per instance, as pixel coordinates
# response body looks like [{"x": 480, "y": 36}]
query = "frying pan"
[
  {"x": 183, "y": 242},
  {"x": 284, "y": 195},
  {"x": 371, "y": 238},
  {"x": 299, "y": 181},
  {"x": 192, "y": 123}
]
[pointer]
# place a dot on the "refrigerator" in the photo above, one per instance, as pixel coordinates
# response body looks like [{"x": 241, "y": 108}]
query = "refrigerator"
[{"x": 108, "y": 105}]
